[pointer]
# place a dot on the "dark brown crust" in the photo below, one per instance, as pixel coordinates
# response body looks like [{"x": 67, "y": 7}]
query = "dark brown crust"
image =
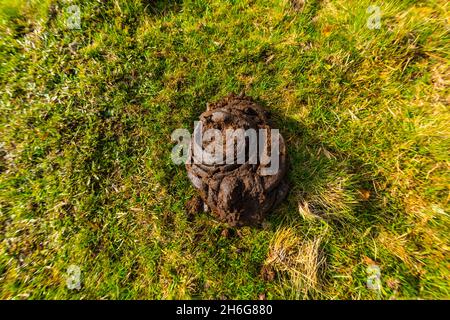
[{"x": 238, "y": 194}]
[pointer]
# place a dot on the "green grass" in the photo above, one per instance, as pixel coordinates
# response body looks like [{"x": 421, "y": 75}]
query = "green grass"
[{"x": 86, "y": 176}]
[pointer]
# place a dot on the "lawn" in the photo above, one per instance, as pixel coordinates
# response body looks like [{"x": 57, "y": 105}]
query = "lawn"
[{"x": 89, "y": 97}]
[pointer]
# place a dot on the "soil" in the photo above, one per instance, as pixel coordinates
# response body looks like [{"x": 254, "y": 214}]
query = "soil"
[
  {"x": 193, "y": 206},
  {"x": 238, "y": 194}
]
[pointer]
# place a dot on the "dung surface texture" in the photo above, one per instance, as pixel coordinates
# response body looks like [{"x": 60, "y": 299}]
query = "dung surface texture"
[{"x": 240, "y": 193}]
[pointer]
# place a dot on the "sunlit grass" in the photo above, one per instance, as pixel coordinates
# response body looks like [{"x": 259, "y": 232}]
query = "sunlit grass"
[{"x": 86, "y": 176}]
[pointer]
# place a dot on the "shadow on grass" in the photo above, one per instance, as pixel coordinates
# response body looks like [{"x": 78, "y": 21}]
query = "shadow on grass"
[
  {"x": 162, "y": 7},
  {"x": 313, "y": 165}
]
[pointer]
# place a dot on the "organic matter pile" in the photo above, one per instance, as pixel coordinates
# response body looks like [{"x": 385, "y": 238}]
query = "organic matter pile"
[{"x": 238, "y": 194}]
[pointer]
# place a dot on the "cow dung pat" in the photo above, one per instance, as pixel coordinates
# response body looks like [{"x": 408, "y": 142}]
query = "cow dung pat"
[{"x": 238, "y": 194}]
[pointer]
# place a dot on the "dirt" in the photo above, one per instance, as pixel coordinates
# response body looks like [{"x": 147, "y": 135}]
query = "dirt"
[
  {"x": 238, "y": 194},
  {"x": 298, "y": 5},
  {"x": 267, "y": 273},
  {"x": 193, "y": 206}
]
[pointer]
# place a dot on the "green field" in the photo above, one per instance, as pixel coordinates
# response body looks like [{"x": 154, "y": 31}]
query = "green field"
[{"x": 86, "y": 176}]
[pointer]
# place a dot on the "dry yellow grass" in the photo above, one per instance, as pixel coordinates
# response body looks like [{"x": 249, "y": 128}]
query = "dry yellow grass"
[{"x": 298, "y": 261}]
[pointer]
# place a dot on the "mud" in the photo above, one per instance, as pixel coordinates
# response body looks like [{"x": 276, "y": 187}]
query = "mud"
[{"x": 238, "y": 194}]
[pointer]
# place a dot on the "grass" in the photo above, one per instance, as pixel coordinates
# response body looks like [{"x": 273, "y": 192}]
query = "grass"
[{"x": 86, "y": 177}]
